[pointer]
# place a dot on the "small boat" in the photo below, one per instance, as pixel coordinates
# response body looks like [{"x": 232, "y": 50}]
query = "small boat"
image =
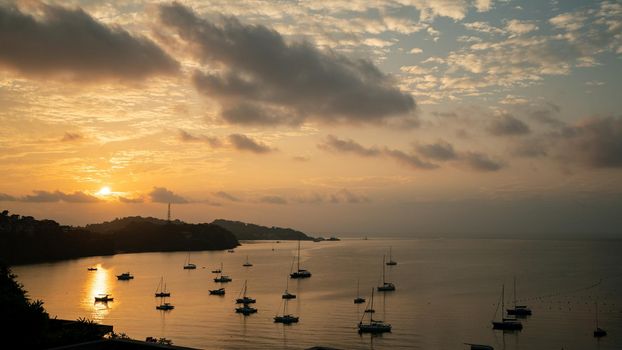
[
  {"x": 188, "y": 265},
  {"x": 92, "y": 268},
  {"x": 479, "y": 346},
  {"x": 103, "y": 298},
  {"x": 230, "y": 251},
  {"x": 165, "y": 306},
  {"x": 287, "y": 294},
  {"x": 218, "y": 270},
  {"x": 518, "y": 310},
  {"x": 386, "y": 286},
  {"x": 244, "y": 299},
  {"x": 247, "y": 263},
  {"x": 300, "y": 273},
  {"x": 391, "y": 262},
  {"x": 507, "y": 324},
  {"x": 286, "y": 318},
  {"x": 223, "y": 279},
  {"x": 161, "y": 291},
  {"x": 358, "y": 299},
  {"x": 245, "y": 310},
  {"x": 598, "y": 332},
  {"x": 373, "y": 326},
  {"x": 219, "y": 291},
  {"x": 125, "y": 276}
]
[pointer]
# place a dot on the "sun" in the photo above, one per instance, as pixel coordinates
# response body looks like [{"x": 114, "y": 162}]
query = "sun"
[{"x": 104, "y": 191}]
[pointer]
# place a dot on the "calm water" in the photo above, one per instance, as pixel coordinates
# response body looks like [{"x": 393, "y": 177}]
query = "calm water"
[{"x": 446, "y": 294}]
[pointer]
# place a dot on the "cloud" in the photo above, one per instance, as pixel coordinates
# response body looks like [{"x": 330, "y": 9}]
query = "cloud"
[
  {"x": 69, "y": 137},
  {"x": 483, "y": 5},
  {"x": 162, "y": 195},
  {"x": 69, "y": 43},
  {"x": 263, "y": 80},
  {"x": 301, "y": 158},
  {"x": 245, "y": 143},
  {"x": 481, "y": 162},
  {"x": 519, "y": 27},
  {"x": 227, "y": 196},
  {"x": 508, "y": 125},
  {"x": 131, "y": 200},
  {"x": 440, "y": 150},
  {"x": 57, "y": 196},
  {"x": 595, "y": 142},
  {"x": 6, "y": 197},
  {"x": 187, "y": 137},
  {"x": 345, "y": 196},
  {"x": 334, "y": 144},
  {"x": 273, "y": 200}
]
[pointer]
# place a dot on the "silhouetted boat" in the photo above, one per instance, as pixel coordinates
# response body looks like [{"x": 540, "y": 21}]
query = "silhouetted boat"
[
  {"x": 285, "y": 318},
  {"x": 218, "y": 270},
  {"x": 244, "y": 299},
  {"x": 509, "y": 324},
  {"x": 598, "y": 332},
  {"x": 230, "y": 251},
  {"x": 358, "y": 299},
  {"x": 125, "y": 276},
  {"x": 222, "y": 278},
  {"x": 287, "y": 294},
  {"x": 391, "y": 262},
  {"x": 518, "y": 310},
  {"x": 188, "y": 265},
  {"x": 104, "y": 298},
  {"x": 165, "y": 306},
  {"x": 386, "y": 286},
  {"x": 92, "y": 268},
  {"x": 300, "y": 273},
  {"x": 247, "y": 263},
  {"x": 373, "y": 326},
  {"x": 161, "y": 290},
  {"x": 479, "y": 346},
  {"x": 245, "y": 310},
  {"x": 219, "y": 291}
]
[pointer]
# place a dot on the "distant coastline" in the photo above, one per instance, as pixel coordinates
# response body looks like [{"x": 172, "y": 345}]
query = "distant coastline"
[{"x": 26, "y": 240}]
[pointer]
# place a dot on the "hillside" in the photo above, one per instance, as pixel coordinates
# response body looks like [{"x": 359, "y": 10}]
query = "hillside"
[{"x": 244, "y": 231}]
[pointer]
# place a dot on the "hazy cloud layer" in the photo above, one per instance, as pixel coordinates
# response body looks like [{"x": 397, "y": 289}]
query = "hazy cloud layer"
[
  {"x": 163, "y": 195},
  {"x": 7, "y": 198},
  {"x": 508, "y": 125},
  {"x": 227, "y": 196},
  {"x": 57, "y": 196},
  {"x": 72, "y": 136},
  {"x": 245, "y": 143},
  {"x": 69, "y": 43},
  {"x": 126, "y": 200},
  {"x": 273, "y": 200},
  {"x": 346, "y": 196},
  {"x": 210, "y": 140},
  {"x": 481, "y": 162},
  {"x": 266, "y": 81},
  {"x": 441, "y": 150},
  {"x": 595, "y": 142}
]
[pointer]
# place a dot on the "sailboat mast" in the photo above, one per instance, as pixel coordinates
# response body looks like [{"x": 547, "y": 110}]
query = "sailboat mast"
[
  {"x": 358, "y": 282},
  {"x": 514, "y": 292},
  {"x": 298, "y": 255},
  {"x": 596, "y": 304},
  {"x": 502, "y": 300},
  {"x": 383, "y": 263}
]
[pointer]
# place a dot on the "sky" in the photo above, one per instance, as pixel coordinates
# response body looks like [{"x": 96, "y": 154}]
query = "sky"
[{"x": 415, "y": 118}]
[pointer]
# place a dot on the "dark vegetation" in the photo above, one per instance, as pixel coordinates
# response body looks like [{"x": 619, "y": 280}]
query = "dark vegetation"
[
  {"x": 24, "y": 239},
  {"x": 26, "y": 323},
  {"x": 244, "y": 231}
]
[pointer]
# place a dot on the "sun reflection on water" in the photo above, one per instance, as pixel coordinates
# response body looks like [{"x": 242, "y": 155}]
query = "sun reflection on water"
[{"x": 98, "y": 282}]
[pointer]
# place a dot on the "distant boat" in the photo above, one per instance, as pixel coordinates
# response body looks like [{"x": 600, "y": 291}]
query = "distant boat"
[
  {"x": 165, "y": 306},
  {"x": 373, "y": 326},
  {"x": 161, "y": 291},
  {"x": 244, "y": 299},
  {"x": 247, "y": 263},
  {"x": 222, "y": 278},
  {"x": 218, "y": 270},
  {"x": 518, "y": 310},
  {"x": 391, "y": 262},
  {"x": 508, "y": 324},
  {"x": 287, "y": 294},
  {"x": 386, "y": 286},
  {"x": 598, "y": 332},
  {"x": 286, "y": 318},
  {"x": 92, "y": 268},
  {"x": 358, "y": 299},
  {"x": 245, "y": 310},
  {"x": 188, "y": 265},
  {"x": 125, "y": 276},
  {"x": 479, "y": 346},
  {"x": 230, "y": 251},
  {"x": 103, "y": 298},
  {"x": 219, "y": 291},
  {"x": 300, "y": 273}
]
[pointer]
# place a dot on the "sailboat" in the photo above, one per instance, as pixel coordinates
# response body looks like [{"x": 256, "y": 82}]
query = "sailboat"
[
  {"x": 126, "y": 276},
  {"x": 245, "y": 309},
  {"x": 509, "y": 324},
  {"x": 286, "y": 318},
  {"x": 222, "y": 278},
  {"x": 287, "y": 294},
  {"x": 518, "y": 310},
  {"x": 164, "y": 306},
  {"x": 598, "y": 332},
  {"x": 358, "y": 299},
  {"x": 244, "y": 299},
  {"x": 386, "y": 286},
  {"x": 103, "y": 298},
  {"x": 188, "y": 265},
  {"x": 391, "y": 262},
  {"x": 373, "y": 326},
  {"x": 161, "y": 290},
  {"x": 219, "y": 291},
  {"x": 247, "y": 263},
  {"x": 218, "y": 270},
  {"x": 300, "y": 273}
]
